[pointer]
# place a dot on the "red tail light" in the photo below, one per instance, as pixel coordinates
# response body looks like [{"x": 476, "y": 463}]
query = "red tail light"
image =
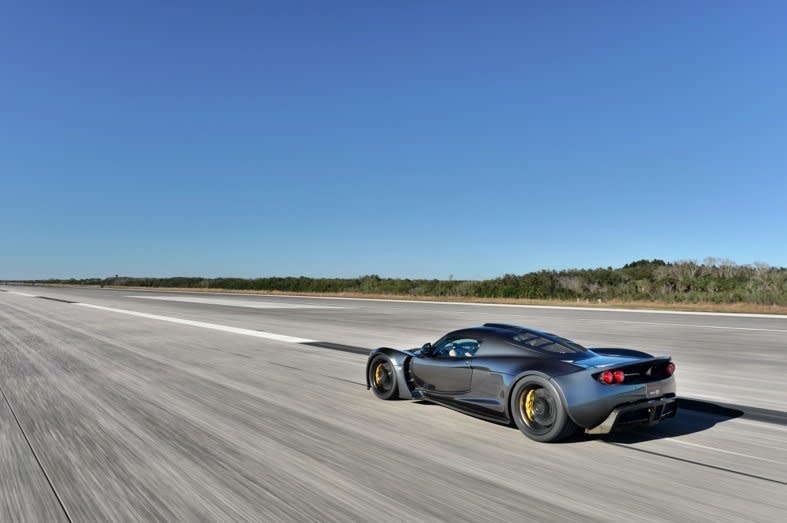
[
  {"x": 619, "y": 376},
  {"x": 670, "y": 369},
  {"x": 607, "y": 377}
]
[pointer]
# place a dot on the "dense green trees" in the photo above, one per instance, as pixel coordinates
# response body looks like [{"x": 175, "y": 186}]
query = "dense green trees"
[{"x": 717, "y": 281}]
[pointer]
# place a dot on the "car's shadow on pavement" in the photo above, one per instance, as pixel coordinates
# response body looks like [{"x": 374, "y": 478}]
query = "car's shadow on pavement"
[{"x": 693, "y": 416}]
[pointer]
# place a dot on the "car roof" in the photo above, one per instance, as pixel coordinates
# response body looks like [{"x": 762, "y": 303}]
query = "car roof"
[
  {"x": 524, "y": 336},
  {"x": 509, "y": 331}
]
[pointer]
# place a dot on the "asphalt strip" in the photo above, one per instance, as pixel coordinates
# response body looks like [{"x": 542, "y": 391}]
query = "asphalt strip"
[{"x": 55, "y": 299}]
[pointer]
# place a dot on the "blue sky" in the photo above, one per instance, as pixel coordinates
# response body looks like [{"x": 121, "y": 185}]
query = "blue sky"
[{"x": 406, "y": 139}]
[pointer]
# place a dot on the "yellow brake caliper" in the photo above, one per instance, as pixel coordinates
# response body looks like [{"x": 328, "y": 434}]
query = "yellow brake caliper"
[
  {"x": 378, "y": 374},
  {"x": 530, "y": 400}
]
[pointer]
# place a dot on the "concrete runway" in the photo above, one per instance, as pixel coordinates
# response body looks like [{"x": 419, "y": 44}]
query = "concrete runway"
[{"x": 129, "y": 405}]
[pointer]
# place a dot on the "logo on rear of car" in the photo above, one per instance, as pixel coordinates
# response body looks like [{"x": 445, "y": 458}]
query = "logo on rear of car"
[{"x": 652, "y": 390}]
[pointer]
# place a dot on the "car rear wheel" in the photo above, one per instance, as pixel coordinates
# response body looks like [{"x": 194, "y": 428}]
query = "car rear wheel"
[
  {"x": 382, "y": 377},
  {"x": 538, "y": 411}
]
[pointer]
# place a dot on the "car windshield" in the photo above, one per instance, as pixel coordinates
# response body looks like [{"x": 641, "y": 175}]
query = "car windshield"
[{"x": 548, "y": 343}]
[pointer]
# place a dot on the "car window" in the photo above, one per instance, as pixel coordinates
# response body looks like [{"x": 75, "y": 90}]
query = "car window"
[
  {"x": 455, "y": 347},
  {"x": 547, "y": 343}
]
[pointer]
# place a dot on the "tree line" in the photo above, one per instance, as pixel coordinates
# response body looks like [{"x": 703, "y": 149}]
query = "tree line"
[{"x": 714, "y": 281}]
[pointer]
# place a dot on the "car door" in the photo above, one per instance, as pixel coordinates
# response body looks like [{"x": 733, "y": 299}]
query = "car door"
[{"x": 447, "y": 370}]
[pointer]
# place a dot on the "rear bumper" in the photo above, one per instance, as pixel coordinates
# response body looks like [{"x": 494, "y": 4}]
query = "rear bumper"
[{"x": 646, "y": 412}]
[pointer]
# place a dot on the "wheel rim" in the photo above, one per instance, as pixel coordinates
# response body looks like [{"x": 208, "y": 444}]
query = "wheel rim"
[
  {"x": 382, "y": 376},
  {"x": 537, "y": 409}
]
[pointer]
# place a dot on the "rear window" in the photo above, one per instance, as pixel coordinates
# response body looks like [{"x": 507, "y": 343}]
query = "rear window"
[{"x": 548, "y": 343}]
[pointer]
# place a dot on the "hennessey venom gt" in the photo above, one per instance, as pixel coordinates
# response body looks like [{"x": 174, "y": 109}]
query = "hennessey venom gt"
[{"x": 548, "y": 386}]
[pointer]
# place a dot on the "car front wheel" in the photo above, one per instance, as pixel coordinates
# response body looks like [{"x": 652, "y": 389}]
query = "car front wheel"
[{"x": 382, "y": 378}]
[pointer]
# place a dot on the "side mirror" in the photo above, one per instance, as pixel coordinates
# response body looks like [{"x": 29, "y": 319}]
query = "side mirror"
[{"x": 426, "y": 349}]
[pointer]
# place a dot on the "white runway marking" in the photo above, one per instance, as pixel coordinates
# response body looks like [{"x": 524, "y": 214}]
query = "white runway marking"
[
  {"x": 759, "y": 424},
  {"x": 236, "y": 303},
  {"x": 714, "y": 449},
  {"x": 202, "y": 324},
  {"x": 22, "y": 294}
]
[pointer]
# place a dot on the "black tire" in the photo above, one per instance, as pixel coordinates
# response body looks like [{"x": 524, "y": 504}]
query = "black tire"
[
  {"x": 545, "y": 418},
  {"x": 382, "y": 378}
]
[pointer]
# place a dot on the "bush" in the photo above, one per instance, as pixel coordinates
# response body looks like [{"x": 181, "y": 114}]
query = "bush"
[{"x": 682, "y": 281}]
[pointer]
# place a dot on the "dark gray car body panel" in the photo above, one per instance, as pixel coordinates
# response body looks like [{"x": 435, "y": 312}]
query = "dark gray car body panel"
[{"x": 481, "y": 386}]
